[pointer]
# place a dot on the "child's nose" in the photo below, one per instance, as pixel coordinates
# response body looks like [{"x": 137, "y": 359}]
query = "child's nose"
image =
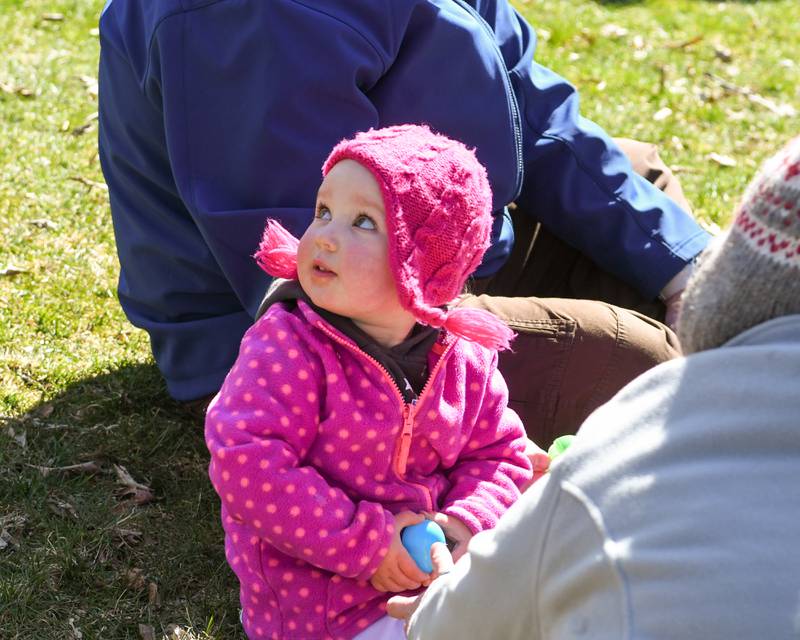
[{"x": 326, "y": 239}]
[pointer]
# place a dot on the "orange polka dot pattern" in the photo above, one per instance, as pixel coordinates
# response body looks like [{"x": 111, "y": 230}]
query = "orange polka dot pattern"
[{"x": 304, "y": 441}]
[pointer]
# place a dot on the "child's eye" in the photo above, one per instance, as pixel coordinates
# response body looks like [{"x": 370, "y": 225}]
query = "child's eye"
[
  {"x": 322, "y": 212},
  {"x": 363, "y": 221}
]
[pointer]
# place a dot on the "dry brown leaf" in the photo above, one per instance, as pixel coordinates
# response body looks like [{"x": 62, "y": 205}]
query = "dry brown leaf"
[
  {"x": 613, "y": 31},
  {"x": 83, "y": 467},
  {"x": 723, "y": 160},
  {"x": 45, "y": 410},
  {"x": 12, "y": 270},
  {"x": 131, "y": 491},
  {"x": 5, "y": 87},
  {"x": 723, "y": 53},
  {"x": 147, "y": 632},
  {"x": 10, "y": 525},
  {"x": 128, "y": 537},
  {"x": 662, "y": 114},
  {"x": 61, "y": 507},
  {"x": 153, "y": 597},
  {"x": 785, "y": 110},
  {"x": 90, "y": 82},
  {"x": 76, "y": 633},
  {"x": 135, "y": 580},
  {"x": 19, "y": 436},
  {"x": 685, "y": 43},
  {"x": 90, "y": 183},
  {"x": 79, "y": 131}
]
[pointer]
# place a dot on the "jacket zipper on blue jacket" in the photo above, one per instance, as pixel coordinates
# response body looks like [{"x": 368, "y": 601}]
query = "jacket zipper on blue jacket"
[{"x": 511, "y": 97}]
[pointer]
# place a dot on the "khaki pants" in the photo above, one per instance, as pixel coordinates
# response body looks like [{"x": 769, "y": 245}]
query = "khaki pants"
[{"x": 579, "y": 339}]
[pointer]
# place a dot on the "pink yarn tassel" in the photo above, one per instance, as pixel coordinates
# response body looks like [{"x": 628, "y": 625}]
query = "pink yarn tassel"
[
  {"x": 481, "y": 326},
  {"x": 277, "y": 252}
]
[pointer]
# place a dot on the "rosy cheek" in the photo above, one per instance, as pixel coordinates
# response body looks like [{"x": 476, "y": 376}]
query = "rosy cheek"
[{"x": 304, "y": 255}]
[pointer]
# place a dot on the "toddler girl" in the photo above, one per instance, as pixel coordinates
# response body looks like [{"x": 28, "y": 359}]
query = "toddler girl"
[{"x": 360, "y": 402}]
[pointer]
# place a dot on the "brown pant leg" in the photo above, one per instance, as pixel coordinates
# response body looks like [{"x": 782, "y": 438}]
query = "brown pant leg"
[{"x": 571, "y": 356}]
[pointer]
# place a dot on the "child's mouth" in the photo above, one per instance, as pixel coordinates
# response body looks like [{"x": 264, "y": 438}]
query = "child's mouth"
[{"x": 322, "y": 270}]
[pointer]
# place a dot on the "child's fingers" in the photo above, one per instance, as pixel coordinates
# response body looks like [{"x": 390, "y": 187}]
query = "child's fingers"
[{"x": 398, "y": 582}]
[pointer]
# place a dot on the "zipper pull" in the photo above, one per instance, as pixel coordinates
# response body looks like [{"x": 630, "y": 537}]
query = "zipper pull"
[{"x": 405, "y": 439}]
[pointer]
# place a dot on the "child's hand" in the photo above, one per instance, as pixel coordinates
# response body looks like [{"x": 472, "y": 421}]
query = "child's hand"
[
  {"x": 539, "y": 460},
  {"x": 402, "y": 607},
  {"x": 455, "y": 530},
  {"x": 398, "y": 572}
]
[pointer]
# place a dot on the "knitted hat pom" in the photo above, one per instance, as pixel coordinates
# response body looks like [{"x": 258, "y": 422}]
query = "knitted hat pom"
[
  {"x": 277, "y": 252},
  {"x": 478, "y": 325}
]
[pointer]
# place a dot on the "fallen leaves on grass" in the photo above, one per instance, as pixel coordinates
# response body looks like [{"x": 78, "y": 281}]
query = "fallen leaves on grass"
[
  {"x": 43, "y": 223},
  {"x": 723, "y": 53},
  {"x": 128, "y": 537},
  {"x": 132, "y": 492},
  {"x": 92, "y": 184},
  {"x": 153, "y": 596},
  {"x": 76, "y": 633},
  {"x": 135, "y": 579},
  {"x": 12, "y": 270},
  {"x": 662, "y": 114},
  {"x": 20, "y": 437},
  {"x": 722, "y": 160},
  {"x": 147, "y": 632},
  {"x": 686, "y": 43},
  {"x": 15, "y": 89},
  {"x": 90, "y": 467},
  {"x": 613, "y": 31},
  {"x": 785, "y": 110},
  {"x": 90, "y": 83},
  {"x": 10, "y": 525},
  {"x": 61, "y": 507}
]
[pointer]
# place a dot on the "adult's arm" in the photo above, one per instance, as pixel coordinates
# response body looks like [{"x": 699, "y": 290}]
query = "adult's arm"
[
  {"x": 578, "y": 182},
  {"x": 541, "y": 573}
]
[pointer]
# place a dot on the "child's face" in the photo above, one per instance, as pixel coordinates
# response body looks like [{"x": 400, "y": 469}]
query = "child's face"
[{"x": 343, "y": 260}]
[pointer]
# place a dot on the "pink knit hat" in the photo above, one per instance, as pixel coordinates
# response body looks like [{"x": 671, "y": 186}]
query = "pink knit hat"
[{"x": 439, "y": 218}]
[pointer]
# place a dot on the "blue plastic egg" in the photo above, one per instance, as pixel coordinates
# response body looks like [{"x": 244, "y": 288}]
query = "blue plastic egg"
[{"x": 418, "y": 538}]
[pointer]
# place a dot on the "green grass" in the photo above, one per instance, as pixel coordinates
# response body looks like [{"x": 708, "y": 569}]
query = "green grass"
[{"x": 77, "y": 383}]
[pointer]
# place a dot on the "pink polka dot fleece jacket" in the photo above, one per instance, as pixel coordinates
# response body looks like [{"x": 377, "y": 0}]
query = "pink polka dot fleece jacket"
[{"x": 313, "y": 449}]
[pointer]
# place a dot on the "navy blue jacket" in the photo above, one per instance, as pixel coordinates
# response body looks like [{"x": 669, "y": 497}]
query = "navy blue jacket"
[{"x": 217, "y": 114}]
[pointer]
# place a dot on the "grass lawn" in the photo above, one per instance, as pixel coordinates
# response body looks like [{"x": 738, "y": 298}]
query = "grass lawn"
[{"x": 108, "y": 525}]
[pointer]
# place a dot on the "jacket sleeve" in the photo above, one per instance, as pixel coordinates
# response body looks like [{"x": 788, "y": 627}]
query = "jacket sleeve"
[
  {"x": 486, "y": 479},
  {"x": 259, "y": 430},
  {"x": 577, "y": 181}
]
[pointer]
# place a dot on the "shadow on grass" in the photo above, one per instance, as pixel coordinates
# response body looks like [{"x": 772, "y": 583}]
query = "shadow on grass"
[{"x": 78, "y": 556}]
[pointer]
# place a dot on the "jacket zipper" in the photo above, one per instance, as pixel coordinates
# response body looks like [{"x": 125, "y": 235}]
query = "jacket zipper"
[
  {"x": 400, "y": 462},
  {"x": 511, "y": 97}
]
